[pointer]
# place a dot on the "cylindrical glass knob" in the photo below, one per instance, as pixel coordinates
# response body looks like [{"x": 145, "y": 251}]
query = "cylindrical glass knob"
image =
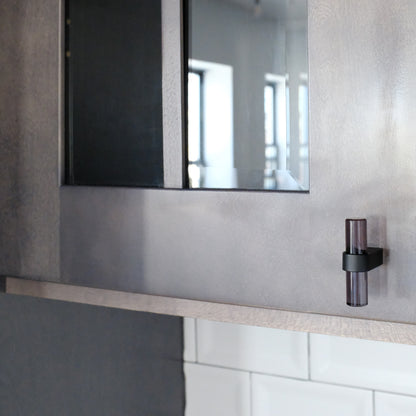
[{"x": 356, "y": 243}]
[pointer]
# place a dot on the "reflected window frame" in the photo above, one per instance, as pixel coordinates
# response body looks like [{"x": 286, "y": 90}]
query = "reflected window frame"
[
  {"x": 270, "y": 139},
  {"x": 195, "y": 163}
]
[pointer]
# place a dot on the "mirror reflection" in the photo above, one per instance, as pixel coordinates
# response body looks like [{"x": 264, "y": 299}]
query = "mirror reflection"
[{"x": 248, "y": 95}]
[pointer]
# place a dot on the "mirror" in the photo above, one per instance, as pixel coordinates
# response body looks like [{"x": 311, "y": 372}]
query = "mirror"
[{"x": 247, "y": 95}]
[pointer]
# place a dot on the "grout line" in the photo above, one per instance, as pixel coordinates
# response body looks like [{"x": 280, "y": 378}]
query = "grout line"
[
  {"x": 240, "y": 370},
  {"x": 412, "y": 396},
  {"x": 251, "y": 392},
  {"x": 374, "y": 403},
  {"x": 309, "y": 355},
  {"x": 196, "y": 340}
]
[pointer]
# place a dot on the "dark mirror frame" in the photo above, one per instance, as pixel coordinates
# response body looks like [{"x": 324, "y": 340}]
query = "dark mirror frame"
[{"x": 113, "y": 100}]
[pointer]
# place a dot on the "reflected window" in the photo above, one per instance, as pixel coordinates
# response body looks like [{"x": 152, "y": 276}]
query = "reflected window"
[
  {"x": 276, "y": 131},
  {"x": 270, "y": 134},
  {"x": 270, "y": 114},
  {"x": 195, "y": 127},
  {"x": 303, "y": 130},
  {"x": 210, "y": 125}
]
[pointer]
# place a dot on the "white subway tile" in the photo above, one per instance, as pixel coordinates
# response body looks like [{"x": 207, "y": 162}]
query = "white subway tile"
[
  {"x": 394, "y": 405},
  {"x": 189, "y": 340},
  {"x": 362, "y": 363},
  {"x": 278, "y": 396},
  {"x": 214, "y": 391},
  {"x": 250, "y": 348}
]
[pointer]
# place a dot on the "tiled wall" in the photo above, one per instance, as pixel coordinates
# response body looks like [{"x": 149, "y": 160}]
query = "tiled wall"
[{"x": 238, "y": 370}]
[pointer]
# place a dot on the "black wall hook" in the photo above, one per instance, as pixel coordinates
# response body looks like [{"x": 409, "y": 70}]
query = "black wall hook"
[
  {"x": 362, "y": 262},
  {"x": 357, "y": 260}
]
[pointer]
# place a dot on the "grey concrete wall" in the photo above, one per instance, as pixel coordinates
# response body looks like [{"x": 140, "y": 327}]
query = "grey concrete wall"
[
  {"x": 29, "y": 138},
  {"x": 267, "y": 249}
]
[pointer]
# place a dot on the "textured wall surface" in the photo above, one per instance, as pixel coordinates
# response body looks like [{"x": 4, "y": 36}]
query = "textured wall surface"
[
  {"x": 268, "y": 249},
  {"x": 275, "y": 249},
  {"x": 245, "y": 370},
  {"x": 29, "y": 139},
  {"x": 64, "y": 359}
]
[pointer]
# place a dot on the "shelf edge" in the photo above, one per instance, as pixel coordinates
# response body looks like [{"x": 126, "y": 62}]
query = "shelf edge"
[{"x": 247, "y": 315}]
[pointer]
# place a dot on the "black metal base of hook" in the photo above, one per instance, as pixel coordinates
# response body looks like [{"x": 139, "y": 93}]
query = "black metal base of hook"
[{"x": 362, "y": 262}]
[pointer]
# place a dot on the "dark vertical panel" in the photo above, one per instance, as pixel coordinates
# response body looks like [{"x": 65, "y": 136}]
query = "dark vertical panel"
[
  {"x": 68, "y": 359},
  {"x": 187, "y": 46},
  {"x": 114, "y": 93}
]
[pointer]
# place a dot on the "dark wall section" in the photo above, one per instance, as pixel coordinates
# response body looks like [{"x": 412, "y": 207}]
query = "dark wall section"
[
  {"x": 68, "y": 359},
  {"x": 114, "y": 92}
]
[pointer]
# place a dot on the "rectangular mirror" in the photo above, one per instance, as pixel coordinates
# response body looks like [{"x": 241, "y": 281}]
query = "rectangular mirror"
[{"x": 247, "y": 95}]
